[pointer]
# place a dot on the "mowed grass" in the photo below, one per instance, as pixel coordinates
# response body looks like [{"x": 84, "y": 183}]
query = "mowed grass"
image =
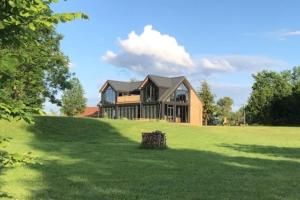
[{"x": 101, "y": 159}]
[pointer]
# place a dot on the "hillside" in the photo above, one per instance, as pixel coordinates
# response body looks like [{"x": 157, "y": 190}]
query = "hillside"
[{"x": 100, "y": 159}]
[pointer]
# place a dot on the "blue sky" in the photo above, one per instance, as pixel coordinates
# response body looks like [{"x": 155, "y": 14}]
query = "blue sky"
[{"x": 223, "y": 42}]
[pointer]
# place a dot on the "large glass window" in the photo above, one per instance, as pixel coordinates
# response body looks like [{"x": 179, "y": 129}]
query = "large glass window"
[
  {"x": 129, "y": 112},
  {"x": 150, "y": 92},
  {"x": 169, "y": 109},
  {"x": 181, "y": 94},
  {"x": 109, "y": 112},
  {"x": 150, "y": 111},
  {"x": 109, "y": 96}
]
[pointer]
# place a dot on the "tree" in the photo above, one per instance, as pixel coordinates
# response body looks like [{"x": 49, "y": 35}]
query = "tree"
[
  {"x": 32, "y": 67},
  {"x": 296, "y": 79},
  {"x": 73, "y": 101},
  {"x": 286, "y": 110},
  {"x": 237, "y": 117},
  {"x": 208, "y": 100},
  {"x": 225, "y": 108},
  {"x": 275, "y": 98}
]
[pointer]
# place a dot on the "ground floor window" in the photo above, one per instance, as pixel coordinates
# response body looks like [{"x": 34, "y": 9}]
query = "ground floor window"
[
  {"x": 182, "y": 114},
  {"x": 109, "y": 112},
  {"x": 129, "y": 112},
  {"x": 169, "y": 113},
  {"x": 176, "y": 113},
  {"x": 150, "y": 111}
]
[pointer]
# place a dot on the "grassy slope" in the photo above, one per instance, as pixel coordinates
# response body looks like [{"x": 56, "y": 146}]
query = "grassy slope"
[{"x": 100, "y": 159}]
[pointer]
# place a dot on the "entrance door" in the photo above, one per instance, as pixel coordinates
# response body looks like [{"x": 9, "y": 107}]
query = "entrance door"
[
  {"x": 182, "y": 114},
  {"x": 170, "y": 113}
]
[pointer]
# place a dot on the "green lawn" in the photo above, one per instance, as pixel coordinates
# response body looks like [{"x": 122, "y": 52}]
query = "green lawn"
[{"x": 100, "y": 159}]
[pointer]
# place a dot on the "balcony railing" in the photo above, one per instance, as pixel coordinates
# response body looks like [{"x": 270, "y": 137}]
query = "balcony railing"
[{"x": 128, "y": 99}]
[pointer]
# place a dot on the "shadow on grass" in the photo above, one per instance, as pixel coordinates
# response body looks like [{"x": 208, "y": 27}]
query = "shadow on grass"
[
  {"x": 287, "y": 152},
  {"x": 90, "y": 159}
]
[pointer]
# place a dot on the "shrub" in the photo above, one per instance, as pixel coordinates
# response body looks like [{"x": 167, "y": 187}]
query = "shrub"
[
  {"x": 154, "y": 140},
  {"x": 7, "y": 159}
]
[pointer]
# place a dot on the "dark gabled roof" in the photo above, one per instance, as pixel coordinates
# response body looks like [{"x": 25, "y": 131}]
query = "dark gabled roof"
[
  {"x": 122, "y": 86},
  {"x": 170, "y": 84},
  {"x": 167, "y": 82}
]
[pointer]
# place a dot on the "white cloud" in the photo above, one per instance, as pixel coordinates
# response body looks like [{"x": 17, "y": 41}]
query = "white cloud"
[
  {"x": 291, "y": 33},
  {"x": 231, "y": 63},
  {"x": 282, "y": 34},
  {"x": 151, "y": 52},
  {"x": 216, "y": 64}
]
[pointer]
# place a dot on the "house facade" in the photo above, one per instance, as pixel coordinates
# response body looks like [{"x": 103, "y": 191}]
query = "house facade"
[{"x": 156, "y": 97}]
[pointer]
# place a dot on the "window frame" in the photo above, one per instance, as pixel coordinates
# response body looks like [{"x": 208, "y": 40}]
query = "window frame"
[
  {"x": 174, "y": 98},
  {"x": 150, "y": 92},
  {"x": 111, "y": 100}
]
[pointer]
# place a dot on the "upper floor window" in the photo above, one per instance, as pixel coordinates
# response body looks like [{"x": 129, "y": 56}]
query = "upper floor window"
[
  {"x": 181, "y": 94},
  {"x": 150, "y": 92},
  {"x": 109, "y": 96}
]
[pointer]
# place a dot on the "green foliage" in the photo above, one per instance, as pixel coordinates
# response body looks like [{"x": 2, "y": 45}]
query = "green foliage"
[
  {"x": 8, "y": 160},
  {"x": 26, "y": 18},
  {"x": 224, "y": 106},
  {"x": 19, "y": 112},
  {"x": 238, "y": 117},
  {"x": 209, "y": 105},
  {"x": 32, "y": 67},
  {"x": 73, "y": 101},
  {"x": 275, "y": 98}
]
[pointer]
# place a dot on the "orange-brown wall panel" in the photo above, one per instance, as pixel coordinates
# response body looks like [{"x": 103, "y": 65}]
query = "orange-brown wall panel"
[
  {"x": 128, "y": 99},
  {"x": 196, "y": 109}
]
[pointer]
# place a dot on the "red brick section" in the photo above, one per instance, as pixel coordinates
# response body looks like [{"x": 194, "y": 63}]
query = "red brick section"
[{"x": 90, "y": 112}]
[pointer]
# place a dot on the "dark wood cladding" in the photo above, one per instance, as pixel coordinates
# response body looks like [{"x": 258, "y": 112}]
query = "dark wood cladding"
[{"x": 171, "y": 99}]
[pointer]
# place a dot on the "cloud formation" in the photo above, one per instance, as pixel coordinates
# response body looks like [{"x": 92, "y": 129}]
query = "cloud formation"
[
  {"x": 151, "y": 51},
  {"x": 291, "y": 33},
  {"x": 281, "y": 34},
  {"x": 215, "y": 64},
  {"x": 231, "y": 63}
]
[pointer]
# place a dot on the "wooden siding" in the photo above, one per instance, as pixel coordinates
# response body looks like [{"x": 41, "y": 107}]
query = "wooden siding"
[
  {"x": 196, "y": 109},
  {"x": 128, "y": 99}
]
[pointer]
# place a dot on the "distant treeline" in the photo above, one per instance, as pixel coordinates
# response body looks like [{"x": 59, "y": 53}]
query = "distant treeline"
[{"x": 275, "y": 98}]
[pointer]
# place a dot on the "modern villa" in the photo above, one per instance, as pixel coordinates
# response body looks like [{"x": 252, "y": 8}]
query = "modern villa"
[{"x": 169, "y": 98}]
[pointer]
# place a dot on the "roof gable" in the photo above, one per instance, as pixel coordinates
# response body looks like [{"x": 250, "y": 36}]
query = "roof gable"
[
  {"x": 160, "y": 81},
  {"x": 122, "y": 86},
  {"x": 169, "y": 84},
  {"x": 168, "y": 92}
]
